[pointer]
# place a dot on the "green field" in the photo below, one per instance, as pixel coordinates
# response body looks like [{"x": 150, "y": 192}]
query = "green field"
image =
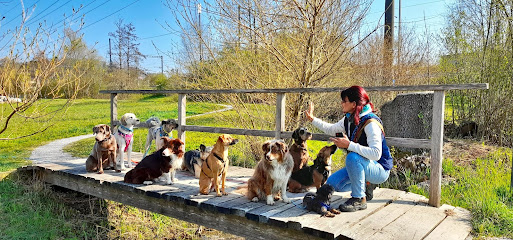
[{"x": 33, "y": 210}]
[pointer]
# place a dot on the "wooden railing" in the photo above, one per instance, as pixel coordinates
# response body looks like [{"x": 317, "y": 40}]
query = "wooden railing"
[{"x": 435, "y": 143}]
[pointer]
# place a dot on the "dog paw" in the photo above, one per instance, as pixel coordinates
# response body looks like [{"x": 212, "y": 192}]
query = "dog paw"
[
  {"x": 148, "y": 182},
  {"x": 100, "y": 172},
  {"x": 219, "y": 195},
  {"x": 174, "y": 179},
  {"x": 335, "y": 211},
  {"x": 287, "y": 200},
  {"x": 170, "y": 182},
  {"x": 225, "y": 193},
  {"x": 270, "y": 200},
  {"x": 255, "y": 199}
]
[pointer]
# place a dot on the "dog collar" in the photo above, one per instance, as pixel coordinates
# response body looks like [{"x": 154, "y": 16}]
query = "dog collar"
[
  {"x": 125, "y": 128},
  {"x": 163, "y": 132},
  {"x": 217, "y": 156}
]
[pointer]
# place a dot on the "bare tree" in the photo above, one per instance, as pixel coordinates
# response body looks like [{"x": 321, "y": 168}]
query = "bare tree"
[
  {"x": 126, "y": 47},
  {"x": 32, "y": 69},
  {"x": 268, "y": 44}
]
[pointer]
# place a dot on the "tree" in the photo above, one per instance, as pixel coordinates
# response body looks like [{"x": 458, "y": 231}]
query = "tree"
[
  {"x": 31, "y": 69},
  {"x": 126, "y": 48},
  {"x": 273, "y": 44}
]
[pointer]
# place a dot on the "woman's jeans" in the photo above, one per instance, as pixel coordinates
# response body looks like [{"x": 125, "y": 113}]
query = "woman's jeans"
[{"x": 358, "y": 170}]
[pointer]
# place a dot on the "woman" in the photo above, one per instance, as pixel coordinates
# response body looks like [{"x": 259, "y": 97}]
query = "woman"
[{"x": 360, "y": 131}]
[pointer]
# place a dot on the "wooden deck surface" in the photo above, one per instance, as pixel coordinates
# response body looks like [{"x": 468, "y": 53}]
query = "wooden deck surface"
[{"x": 392, "y": 214}]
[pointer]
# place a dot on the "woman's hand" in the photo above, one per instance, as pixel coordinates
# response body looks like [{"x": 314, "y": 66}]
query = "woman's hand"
[
  {"x": 341, "y": 142},
  {"x": 309, "y": 111}
]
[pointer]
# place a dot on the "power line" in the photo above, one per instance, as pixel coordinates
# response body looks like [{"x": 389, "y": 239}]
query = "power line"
[
  {"x": 35, "y": 20},
  {"x": 21, "y": 13},
  {"x": 110, "y": 14}
]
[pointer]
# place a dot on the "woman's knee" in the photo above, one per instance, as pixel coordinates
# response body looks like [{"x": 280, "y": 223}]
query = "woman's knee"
[{"x": 352, "y": 158}]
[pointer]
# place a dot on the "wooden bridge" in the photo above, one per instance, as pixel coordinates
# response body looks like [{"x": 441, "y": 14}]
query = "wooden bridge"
[{"x": 392, "y": 214}]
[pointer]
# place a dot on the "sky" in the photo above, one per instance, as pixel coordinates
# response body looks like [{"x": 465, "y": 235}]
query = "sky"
[{"x": 149, "y": 16}]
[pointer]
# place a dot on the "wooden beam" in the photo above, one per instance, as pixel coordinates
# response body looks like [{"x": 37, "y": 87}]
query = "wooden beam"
[
  {"x": 280, "y": 114},
  {"x": 113, "y": 109},
  {"x": 437, "y": 135},
  {"x": 444, "y": 87},
  {"x": 229, "y": 223},
  {"x": 182, "y": 98}
]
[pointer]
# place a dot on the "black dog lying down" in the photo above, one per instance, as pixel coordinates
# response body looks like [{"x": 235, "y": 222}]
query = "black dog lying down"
[{"x": 320, "y": 201}]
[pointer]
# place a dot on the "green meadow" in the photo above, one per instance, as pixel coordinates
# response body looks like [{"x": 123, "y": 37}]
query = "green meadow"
[{"x": 31, "y": 209}]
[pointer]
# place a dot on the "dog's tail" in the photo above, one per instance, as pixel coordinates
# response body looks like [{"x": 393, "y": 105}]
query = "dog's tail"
[{"x": 242, "y": 190}]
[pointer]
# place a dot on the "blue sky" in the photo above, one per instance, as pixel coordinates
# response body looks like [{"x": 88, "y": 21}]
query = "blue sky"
[{"x": 148, "y": 16}]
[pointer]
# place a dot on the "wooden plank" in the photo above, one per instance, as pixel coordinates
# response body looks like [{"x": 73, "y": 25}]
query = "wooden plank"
[
  {"x": 441, "y": 87},
  {"x": 228, "y": 223},
  {"x": 333, "y": 228},
  {"x": 383, "y": 217},
  {"x": 255, "y": 214},
  {"x": 391, "y": 141},
  {"x": 113, "y": 108},
  {"x": 182, "y": 98},
  {"x": 420, "y": 220},
  {"x": 455, "y": 226},
  {"x": 437, "y": 135},
  {"x": 280, "y": 114}
]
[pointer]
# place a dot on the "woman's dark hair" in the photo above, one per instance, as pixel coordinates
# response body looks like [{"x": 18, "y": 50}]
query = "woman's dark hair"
[{"x": 358, "y": 95}]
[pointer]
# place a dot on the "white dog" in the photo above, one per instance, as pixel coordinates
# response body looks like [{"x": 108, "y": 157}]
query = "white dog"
[
  {"x": 124, "y": 134},
  {"x": 157, "y": 130}
]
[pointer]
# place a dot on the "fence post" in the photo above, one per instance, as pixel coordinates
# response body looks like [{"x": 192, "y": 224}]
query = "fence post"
[
  {"x": 113, "y": 108},
  {"x": 437, "y": 138},
  {"x": 280, "y": 114},
  {"x": 181, "y": 116}
]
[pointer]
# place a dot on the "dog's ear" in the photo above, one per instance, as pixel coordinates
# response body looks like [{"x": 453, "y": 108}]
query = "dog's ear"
[
  {"x": 295, "y": 134},
  {"x": 283, "y": 147},
  {"x": 95, "y": 129},
  {"x": 107, "y": 128},
  {"x": 265, "y": 146},
  {"x": 123, "y": 120},
  {"x": 203, "y": 147}
]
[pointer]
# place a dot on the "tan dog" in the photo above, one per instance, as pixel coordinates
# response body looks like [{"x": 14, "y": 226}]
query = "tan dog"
[
  {"x": 216, "y": 165},
  {"x": 104, "y": 150}
]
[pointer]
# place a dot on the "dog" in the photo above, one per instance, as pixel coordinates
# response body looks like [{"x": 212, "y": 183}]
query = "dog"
[
  {"x": 124, "y": 135},
  {"x": 271, "y": 174},
  {"x": 104, "y": 150},
  {"x": 320, "y": 202},
  {"x": 193, "y": 159},
  {"x": 216, "y": 165},
  {"x": 299, "y": 149},
  {"x": 157, "y": 130},
  {"x": 315, "y": 175},
  {"x": 163, "y": 162}
]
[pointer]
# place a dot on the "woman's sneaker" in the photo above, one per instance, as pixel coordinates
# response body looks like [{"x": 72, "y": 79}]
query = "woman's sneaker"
[
  {"x": 353, "y": 204},
  {"x": 369, "y": 190}
]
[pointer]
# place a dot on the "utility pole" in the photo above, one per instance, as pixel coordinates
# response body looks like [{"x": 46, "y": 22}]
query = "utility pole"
[
  {"x": 399, "y": 43},
  {"x": 162, "y": 64},
  {"x": 110, "y": 55},
  {"x": 388, "y": 41},
  {"x": 199, "y": 31}
]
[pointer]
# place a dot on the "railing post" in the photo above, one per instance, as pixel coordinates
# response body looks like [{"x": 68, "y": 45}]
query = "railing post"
[
  {"x": 280, "y": 114},
  {"x": 113, "y": 108},
  {"x": 437, "y": 138},
  {"x": 181, "y": 116}
]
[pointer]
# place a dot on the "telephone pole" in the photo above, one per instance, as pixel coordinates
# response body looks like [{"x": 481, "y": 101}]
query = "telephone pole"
[
  {"x": 110, "y": 55},
  {"x": 388, "y": 45}
]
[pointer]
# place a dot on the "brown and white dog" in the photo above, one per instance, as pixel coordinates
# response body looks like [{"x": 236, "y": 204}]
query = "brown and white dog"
[
  {"x": 193, "y": 159},
  {"x": 271, "y": 174},
  {"x": 162, "y": 162},
  {"x": 157, "y": 130},
  {"x": 216, "y": 165},
  {"x": 315, "y": 175},
  {"x": 104, "y": 150},
  {"x": 124, "y": 134},
  {"x": 299, "y": 149}
]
